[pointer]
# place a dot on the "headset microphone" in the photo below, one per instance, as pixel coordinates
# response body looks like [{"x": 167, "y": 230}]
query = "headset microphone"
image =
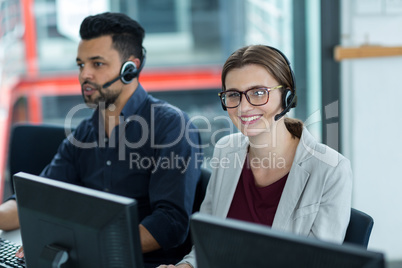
[
  {"x": 108, "y": 84},
  {"x": 291, "y": 103},
  {"x": 128, "y": 72}
]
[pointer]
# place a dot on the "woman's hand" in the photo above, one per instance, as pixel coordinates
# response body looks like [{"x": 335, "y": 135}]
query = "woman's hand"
[{"x": 20, "y": 253}]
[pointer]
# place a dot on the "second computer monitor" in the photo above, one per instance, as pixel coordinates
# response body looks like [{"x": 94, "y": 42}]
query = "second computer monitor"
[{"x": 228, "y": 243}]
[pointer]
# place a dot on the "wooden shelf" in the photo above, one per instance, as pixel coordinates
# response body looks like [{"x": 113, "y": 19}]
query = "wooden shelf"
[{"x": 342, "y": 53}]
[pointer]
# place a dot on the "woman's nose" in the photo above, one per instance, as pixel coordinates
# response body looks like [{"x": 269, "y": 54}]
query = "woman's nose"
[{"x": 244, "y": 105}]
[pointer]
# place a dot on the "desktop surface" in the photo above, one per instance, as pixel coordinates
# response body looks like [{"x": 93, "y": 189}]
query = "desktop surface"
[{"x": 13, "y": 236}]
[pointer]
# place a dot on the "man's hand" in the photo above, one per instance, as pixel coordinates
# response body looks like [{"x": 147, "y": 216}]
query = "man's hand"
[
  {"x": 20, "y": 253},
  {"x": 9, "y": 216},
  {"x": 148, "y": 242}
]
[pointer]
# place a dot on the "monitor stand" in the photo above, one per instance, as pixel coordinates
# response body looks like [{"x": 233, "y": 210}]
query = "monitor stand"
[{"x": 53, "y": 256}]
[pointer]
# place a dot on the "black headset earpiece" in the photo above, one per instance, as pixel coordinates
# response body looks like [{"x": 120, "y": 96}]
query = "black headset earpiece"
[
  {"x": 128, "y": 72},
  {"x": 289, "y": 101},
  {"x": 289, "y": 97},
  {"x": 286, "y": 98},
  {"x": 223, "y": 106}
]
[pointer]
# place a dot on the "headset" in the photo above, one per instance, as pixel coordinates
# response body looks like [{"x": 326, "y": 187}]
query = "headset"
[
  {"x": 128, "y": 71},
  {"x": 289, "y": 99}
]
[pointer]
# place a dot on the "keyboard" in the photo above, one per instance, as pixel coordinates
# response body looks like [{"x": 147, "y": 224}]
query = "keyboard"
[{"x": 7, "y": 255}]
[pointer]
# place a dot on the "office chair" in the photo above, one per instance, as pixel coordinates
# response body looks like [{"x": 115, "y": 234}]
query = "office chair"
[
  {"x": 201, "y": 189},
  {"x": 32, "y": 147},
  {"x": 359, "y": 228}
]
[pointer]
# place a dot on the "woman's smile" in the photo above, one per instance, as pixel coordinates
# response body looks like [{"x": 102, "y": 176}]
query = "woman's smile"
[{"x": 249, "y": 119}]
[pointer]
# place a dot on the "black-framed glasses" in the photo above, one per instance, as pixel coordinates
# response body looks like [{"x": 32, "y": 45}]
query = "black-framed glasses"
[{"x": 255, "y": 96}]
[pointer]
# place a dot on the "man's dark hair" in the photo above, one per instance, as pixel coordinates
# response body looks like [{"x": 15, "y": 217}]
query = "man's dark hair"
[{"x": 127, "y": 34}]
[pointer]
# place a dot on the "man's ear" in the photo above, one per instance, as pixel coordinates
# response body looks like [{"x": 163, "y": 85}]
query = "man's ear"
[{"x": 136, "y": 61}]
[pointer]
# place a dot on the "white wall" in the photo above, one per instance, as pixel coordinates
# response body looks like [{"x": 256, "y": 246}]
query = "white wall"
[{"x": 371, "y": 106}]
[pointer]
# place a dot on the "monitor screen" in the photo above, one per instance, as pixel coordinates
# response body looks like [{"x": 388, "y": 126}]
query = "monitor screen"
[
  {"x": 80, "y": 227},
  {"x": 228, "y": 243}
]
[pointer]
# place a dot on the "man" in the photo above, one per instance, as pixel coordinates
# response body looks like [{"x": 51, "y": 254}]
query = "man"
[{"x": 134, "y": 145}]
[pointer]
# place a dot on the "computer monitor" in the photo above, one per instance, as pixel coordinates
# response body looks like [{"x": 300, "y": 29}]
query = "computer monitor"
[
  {"x": 228, "y": 243},
  {"x": 92, "y": 228}
]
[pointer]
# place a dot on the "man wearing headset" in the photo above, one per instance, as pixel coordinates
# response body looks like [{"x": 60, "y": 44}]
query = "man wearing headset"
[{"x": 122, "y": 147}]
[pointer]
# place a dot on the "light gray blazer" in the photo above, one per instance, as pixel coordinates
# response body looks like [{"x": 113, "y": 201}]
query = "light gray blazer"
[{"x": 315, "y": 202}]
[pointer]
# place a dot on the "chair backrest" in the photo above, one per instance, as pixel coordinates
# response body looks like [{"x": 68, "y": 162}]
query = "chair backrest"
[
  {"x": 201, "y": 189},
  {"x": 359, "y": 228},
  {"x": 32, "y": 147}
]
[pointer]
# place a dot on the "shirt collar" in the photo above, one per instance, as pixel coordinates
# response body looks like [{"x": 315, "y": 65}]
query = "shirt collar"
[{"x": 135, "y": 102}]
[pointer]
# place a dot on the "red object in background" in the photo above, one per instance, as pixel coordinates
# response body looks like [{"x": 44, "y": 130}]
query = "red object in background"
[
  {"x": 30, "y": 38},
  {"x": 33, "y": 88}
]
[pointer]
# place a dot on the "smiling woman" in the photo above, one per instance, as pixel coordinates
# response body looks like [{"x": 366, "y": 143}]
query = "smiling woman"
[
  {"x": 275, "y": 173},
  {"x": 252, "y": 117}
]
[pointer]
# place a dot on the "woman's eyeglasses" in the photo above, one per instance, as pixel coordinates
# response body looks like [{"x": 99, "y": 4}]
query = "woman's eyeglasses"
[{"x": 255, "y": 96}]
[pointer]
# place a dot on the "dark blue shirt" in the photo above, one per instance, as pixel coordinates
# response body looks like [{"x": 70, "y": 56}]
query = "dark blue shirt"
[{"x": 153, "y": 155}]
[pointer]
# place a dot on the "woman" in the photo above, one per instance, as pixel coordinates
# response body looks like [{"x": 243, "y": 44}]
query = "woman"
[{"x": 274, "y": 172}]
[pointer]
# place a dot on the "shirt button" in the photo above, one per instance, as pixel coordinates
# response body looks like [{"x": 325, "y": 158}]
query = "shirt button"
[
  {"x": 108, "y": 162},
  {"x": 127, "y": 120},
  {"x": 106, "y": 189}
]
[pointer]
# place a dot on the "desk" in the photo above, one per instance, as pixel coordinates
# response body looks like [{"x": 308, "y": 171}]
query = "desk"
[{"x": 13, "y": 236}]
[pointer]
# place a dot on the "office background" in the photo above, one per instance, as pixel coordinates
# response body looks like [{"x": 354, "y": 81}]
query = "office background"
[
  {"x": 352, "y": 105},
  {"x": 370, "y": 95}
]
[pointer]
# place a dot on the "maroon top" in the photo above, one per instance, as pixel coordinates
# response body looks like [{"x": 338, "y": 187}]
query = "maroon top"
[{"x": 255, "y": 204}]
